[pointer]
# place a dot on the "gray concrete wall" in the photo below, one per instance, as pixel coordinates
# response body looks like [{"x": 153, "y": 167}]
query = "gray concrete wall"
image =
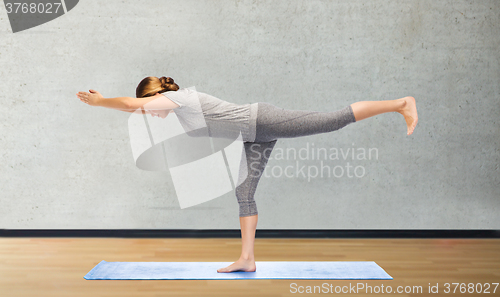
[{"x": 67, "y": 165}]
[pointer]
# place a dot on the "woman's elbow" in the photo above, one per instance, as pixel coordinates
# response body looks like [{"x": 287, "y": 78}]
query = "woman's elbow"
[{"x": 128, "y": 103}]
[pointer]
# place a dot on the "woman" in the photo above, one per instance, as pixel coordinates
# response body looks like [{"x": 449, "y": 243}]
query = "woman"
[{"x": 261, "y": 125}]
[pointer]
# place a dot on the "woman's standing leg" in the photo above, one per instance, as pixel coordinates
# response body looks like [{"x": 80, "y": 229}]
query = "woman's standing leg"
[{"x": 256, "y": 154}]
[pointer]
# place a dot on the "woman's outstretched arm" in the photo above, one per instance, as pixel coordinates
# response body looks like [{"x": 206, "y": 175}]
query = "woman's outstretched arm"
[{"x": 129, "y": 104}]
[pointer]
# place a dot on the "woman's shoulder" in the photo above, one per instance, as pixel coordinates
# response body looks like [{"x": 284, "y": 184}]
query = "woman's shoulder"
[
  {"x": 179, "y": 91},
  {"x": 183, "y": 92},
  {"x": 184, "y": 96}
]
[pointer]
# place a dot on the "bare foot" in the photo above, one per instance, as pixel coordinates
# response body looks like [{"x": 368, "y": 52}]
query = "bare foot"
[
  {"x": 242, "y": 264},
  {"x": 409, "y": 111}
]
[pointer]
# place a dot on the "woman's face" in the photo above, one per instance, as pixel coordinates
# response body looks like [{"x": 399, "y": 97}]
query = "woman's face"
[{"x": 159, "y": 113}]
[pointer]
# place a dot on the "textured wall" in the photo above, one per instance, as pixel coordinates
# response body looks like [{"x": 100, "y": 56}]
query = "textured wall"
[{"x": 67, "y": 165}]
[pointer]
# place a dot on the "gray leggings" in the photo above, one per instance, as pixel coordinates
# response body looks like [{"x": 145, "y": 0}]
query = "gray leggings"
[{"x": 272, "y": 123}]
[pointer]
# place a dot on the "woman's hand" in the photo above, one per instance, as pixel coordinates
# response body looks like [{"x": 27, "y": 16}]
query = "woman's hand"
[{"x": 93, "y": 98}]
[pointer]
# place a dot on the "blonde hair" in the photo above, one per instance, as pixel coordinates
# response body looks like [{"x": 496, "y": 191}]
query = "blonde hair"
[{"x": 151, "y": 85}]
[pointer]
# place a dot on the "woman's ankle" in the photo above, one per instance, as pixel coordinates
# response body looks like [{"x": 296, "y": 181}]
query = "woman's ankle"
[
  {"x": 401, "y": 103},
  {"x": 247, "y": 257}
]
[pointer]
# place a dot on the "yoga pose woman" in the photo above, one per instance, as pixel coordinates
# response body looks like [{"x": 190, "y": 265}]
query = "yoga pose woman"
[{"x": 261, "y": 124}]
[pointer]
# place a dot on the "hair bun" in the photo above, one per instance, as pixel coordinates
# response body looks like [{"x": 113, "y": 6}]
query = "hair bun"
[
  {"x": 167, "y": 83},
  {"x": 166, "y": 80}
]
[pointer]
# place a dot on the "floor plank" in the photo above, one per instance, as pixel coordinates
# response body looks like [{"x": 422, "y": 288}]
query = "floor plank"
[{"x": 56, "y": 266}]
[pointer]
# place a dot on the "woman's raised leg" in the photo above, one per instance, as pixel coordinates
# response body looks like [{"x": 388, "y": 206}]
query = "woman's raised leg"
[
  {"x": 405, "y": 106},
  {"x": 275, "y": 122}
]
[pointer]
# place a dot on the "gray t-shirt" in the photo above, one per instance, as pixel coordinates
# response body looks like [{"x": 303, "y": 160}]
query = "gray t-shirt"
[{"x": 222, "y": 118}]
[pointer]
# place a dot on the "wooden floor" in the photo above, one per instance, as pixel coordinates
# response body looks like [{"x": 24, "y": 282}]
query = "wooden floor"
[{"x": 55, "y": 266}]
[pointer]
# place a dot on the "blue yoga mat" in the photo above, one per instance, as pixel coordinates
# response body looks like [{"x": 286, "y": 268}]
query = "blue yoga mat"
[{"x": 265, "y": 270}]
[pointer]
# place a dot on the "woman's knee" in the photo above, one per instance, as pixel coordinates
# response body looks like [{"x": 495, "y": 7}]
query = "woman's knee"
[
  {"x": 247, "y": 209},
  {"x": 246, "y": 201},
  {"x": 243, "y": 193}
]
